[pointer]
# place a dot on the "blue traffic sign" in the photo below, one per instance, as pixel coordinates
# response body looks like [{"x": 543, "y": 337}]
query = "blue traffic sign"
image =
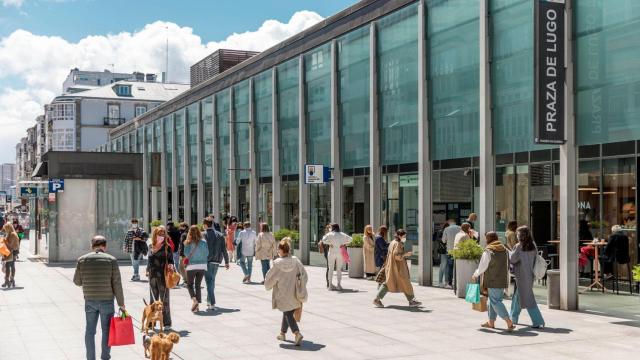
[
  {"x": 56, "y": 185},
  {"x": 28, "y": 191}
]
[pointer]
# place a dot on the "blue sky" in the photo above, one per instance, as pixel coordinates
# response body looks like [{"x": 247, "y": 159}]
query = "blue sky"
[{"x": 41, "y": 40}]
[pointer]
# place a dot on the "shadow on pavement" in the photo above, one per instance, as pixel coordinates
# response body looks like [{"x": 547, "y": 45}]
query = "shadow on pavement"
[
  {"x": 551, "y": 330},
  {"x": 408, "y": 308},
  {"x": 305, "y": 346},
  {"x": 216, "y": 312},
  {"x": 348, "y": 291},
  {"x": 13, "y": 288},
  {"x": 182, "y": 333},
  {"x": 522, "y": 332},
  {"x": 628, "y": 323}
]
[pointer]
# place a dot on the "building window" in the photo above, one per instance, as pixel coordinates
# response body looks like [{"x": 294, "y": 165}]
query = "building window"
[
  {"x": 123, "y": 90},
  {"x": 114, "y": 111},
  {"x": 140, "y": 109}
]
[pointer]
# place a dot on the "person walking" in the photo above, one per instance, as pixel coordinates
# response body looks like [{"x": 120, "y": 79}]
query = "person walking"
[
  {"x": 335, "y": 239},
  {"x": 197, "y": 254},
  {"x": 230, "y": 238},
  {"x": 216, "y": 226},
  {"x": 382, "y": 247},
  {"x": 473, "y": 217},
  {"x": 175, "y": 234},
  {"x": 247, "y": 243},
  {"x": 20, "y": 231},
  {"x": 266, "y": 249},
  {"x": 449, "y": 238},
  {"x": 288, "y": 282},
  {"x": 494, "y": 269},
  {"x": 160, "y": 256},
  {"x": 397, "y": 278},
  {"x": 12, "y": 242},
  {"x": 217, "y": 252},
  {"x": 135, "y": 244},
  {"x": 522, "y": 260},
  {"x": 510, "y": 234},
  {"x": 463, "y": 234},
  {"x": 99, "y": 276},
  {"x": 368, "y": 252}
]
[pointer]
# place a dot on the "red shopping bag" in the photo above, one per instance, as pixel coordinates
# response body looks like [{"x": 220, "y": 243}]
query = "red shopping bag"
[
  {"x": 345, "y": 254},
  {"x": 121, "y": 330}
]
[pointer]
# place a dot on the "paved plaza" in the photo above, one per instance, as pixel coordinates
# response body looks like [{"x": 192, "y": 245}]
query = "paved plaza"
[{"x": 42, "y": 318}]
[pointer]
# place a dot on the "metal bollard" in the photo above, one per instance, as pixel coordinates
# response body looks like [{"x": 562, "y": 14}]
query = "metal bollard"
[{"x": 553, "y": 289}]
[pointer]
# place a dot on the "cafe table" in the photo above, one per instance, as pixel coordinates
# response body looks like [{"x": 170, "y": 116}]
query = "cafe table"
[{"x": 596, "y": 265}]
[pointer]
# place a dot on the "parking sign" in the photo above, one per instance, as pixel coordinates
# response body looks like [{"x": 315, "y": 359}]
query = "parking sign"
[{"x": 56, "y": 185}]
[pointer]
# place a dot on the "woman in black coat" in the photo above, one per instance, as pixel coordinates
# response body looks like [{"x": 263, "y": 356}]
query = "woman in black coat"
[
  {"x": 381, "y": 247},
  {"x": 160, "y": 255}
]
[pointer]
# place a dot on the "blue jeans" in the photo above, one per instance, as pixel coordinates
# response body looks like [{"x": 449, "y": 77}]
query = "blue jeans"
[
  {"x": 136, "y": 265},
  {"x": 246, "y": 263},
  {"x": 210, "y": 280},
  {"x": 534, "y": 312},
  {"x": 496, "y": 307},
  {"x": 104, "y": 310},
  {"x": 265, "y": 267}
]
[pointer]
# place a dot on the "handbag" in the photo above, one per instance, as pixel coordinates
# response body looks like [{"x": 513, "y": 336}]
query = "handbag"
[
  {"x": 540, "y": 266},
  {"x": 345, "y": 254},
  {"x": 301, "y": 289},
  {"x": 171, "y": 277},
  {"x": 297, "y": 314},
  {"x": 4, "y": 249},
  {"x": 185, "y": 261},
  {"x": 121, "y": 330},
  {"x": 481, "y": 306},
  {"x": 381, "y": 276},
  {"x": 473, "y": 293}
]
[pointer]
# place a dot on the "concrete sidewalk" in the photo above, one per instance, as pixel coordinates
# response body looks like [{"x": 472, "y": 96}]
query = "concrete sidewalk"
[{"x": 43, "y": 318}]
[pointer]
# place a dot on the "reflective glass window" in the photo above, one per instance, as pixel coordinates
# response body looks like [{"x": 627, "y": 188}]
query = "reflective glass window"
[
  {"x": 222, "y": 122},
  {"x": 207, "y": 138},
  {"x": 168, "y": 146},
  {"x": 262, "y": 107},
  {"x": 192, "y": 141},
  {"x": 288, "y": 116},
  {"x": 317, "y": 65},
  {"x": 241, "y": 128},
  {"x": 179, "y": 151}
]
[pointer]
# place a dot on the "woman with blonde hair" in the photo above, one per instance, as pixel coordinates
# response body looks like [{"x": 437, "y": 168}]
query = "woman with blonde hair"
[
  {"x": 288, "y": 279},
  {"x": 196, "y": 253},
  {"x": 160, "y": 256},
  {"x": 266, "y": 249},
  {"x": 368, "y": 251},
  {"x": 12, "y": 241}
]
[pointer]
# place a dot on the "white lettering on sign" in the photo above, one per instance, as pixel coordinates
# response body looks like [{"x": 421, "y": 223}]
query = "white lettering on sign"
[
  {"x": 584, "y": 205},
  {"x": 551, "y": 71}
]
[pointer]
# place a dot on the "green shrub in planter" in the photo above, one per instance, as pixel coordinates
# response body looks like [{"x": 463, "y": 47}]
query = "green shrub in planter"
[
  {"x": 636, "y": 273},
  {"x": 283, "y": 233},
  {"x": 155, "y": 223},
  {"x": 467, "y": 250},
  {"x": 357, "y": 240}
]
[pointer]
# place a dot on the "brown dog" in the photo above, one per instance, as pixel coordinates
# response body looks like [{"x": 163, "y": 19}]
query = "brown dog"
[
  {"x": 162, "y": 344},
  {"x": 151, "y": 314}
]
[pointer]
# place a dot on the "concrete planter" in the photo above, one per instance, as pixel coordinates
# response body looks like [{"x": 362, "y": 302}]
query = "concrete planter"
[
  {"x": 464, "y": 271},
  {"x": 356, "y": 267}
]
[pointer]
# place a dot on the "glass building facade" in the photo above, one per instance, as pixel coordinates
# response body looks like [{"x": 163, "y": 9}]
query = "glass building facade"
[{"x": 367, "y": 81}]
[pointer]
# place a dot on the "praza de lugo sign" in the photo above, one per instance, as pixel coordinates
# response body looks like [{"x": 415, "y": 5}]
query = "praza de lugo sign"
[{"x": 550, "y": 72}]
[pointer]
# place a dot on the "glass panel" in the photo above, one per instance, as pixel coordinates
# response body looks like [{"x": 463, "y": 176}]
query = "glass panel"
[
  {"x": 288, "y": 118},
  {"x": 290, "y": 193},
  {"x": 398, "y": 86},
  {"x": 505, "y": 192},
  {"x": 179, "y": 151},
  {"x": 157, "y": 135},
  {"x": 522, "y": 194},
  {"x": 452, "y": 28},
  {"x": 241, "y": 132},
  {"x": 353, "y": 99},
  {"x": 207, "y": 138},
  {"x": 265, "y": 201},
  {"x": 607, "y": 76},
  {"x": 512, "y": 76},
  {"x": 192, "y": 139},
  {"x": 619, "y": 202},
  {"x": 318, "y": 116},
  {"x": 589, "y": 200},
  {"x": 540, "y": 195},
  {"x": 320, "y": 216},
  {"x": 168, "y": 145},
  {"x": 262, "y": 107},
  {"x": 222, "y": 122}
]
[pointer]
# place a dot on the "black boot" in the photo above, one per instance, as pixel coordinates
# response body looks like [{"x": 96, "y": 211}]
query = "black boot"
[
  {"x": 13, "y": 283},
  {"x": 6, "y": 283}
]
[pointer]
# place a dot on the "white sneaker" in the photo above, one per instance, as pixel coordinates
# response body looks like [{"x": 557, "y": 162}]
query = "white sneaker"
[
  {"x": 282, "y": 337},
  {"x": 299, "y": 338}
]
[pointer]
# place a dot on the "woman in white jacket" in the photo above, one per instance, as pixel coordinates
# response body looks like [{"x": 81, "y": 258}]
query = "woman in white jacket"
[
  {"x": 288, "y": 279},
  {"x": 266, "y": 249}
]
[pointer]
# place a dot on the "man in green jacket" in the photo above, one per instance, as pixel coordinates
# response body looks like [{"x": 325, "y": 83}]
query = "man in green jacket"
[{"x": 99, "y": 275}]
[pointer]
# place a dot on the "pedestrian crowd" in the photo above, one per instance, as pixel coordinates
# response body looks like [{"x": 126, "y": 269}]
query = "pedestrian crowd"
[{"x": 197, "y": 252}]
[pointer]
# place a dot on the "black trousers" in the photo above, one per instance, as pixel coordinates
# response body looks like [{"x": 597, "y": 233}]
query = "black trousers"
[
  {"x": 9, "y": 270},
  {"x": 194, "y": 282},
  {"x": 158, "y": 291},
  {"x": 289, "y": 322}
]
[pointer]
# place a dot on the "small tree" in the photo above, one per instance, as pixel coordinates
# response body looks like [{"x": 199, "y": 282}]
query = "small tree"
[
  {"x": 357, "y": 241},
  {"x": 467, "y": 250}
]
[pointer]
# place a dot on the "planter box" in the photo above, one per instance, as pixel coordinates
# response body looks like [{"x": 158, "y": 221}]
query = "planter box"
[
  {"x": 356, "y": 267},
  {"x": 464, "y": 271}
]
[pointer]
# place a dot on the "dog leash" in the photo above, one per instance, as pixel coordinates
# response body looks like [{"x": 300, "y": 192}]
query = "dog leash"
[{"x": 140, "y": 329}]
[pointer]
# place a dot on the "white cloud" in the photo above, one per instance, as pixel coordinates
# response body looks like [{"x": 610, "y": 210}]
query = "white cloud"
[
  {"x": 16, "y": 3},
  {"x": 43, "y": 62}
]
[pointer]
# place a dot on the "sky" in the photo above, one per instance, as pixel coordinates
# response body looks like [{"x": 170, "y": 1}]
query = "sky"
[{"x": 41, "y": 40}]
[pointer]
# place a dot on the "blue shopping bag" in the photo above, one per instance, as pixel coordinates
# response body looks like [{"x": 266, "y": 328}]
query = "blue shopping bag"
[{"x": 473, "y": 293}]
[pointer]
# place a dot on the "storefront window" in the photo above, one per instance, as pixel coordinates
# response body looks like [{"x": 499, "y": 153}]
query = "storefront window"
[
  {"x": 589, "y": 200},
  {"x": 179, "y": 150},
  {"x": 619, "y": 200},
  {"x": 222, "y": 122},
  {"x": 607, "y": 76},
  {"x": 241, "y": 126},
  {"x": 353, "y": 103},
  {"x": 355, "y": 199},
  {"x": 288, "y": 118},
  {"x": 398, "y": 86},
  {"x": 540, "y": 196},
  {"x": 265, "y": 201},
  {"x": 452, "y": 28},
  {"x": 207, "y": 140},
  {"x": 192, "y": 142},
  {"x": 290, "y": 194},
  {"x": 505, "y": 192},
  {"x": 320, "y": 217}
]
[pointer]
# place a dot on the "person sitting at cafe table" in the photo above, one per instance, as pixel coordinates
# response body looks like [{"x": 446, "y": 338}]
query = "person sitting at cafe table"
[{"x": 616, "y": 250}]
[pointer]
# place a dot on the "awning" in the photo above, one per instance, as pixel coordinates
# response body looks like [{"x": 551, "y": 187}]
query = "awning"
[{"x": 41, "y": 170}]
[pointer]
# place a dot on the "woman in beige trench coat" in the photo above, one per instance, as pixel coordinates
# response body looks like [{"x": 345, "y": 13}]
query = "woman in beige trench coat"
[
  {"x": 397, "y": 272},
  {"x": 368, "y": 252}
]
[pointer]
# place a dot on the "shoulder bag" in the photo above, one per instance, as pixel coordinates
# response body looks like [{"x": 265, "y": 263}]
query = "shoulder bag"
[
  {"x": 185, "y": 261},
  {"x": 171, "y": 277}
]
